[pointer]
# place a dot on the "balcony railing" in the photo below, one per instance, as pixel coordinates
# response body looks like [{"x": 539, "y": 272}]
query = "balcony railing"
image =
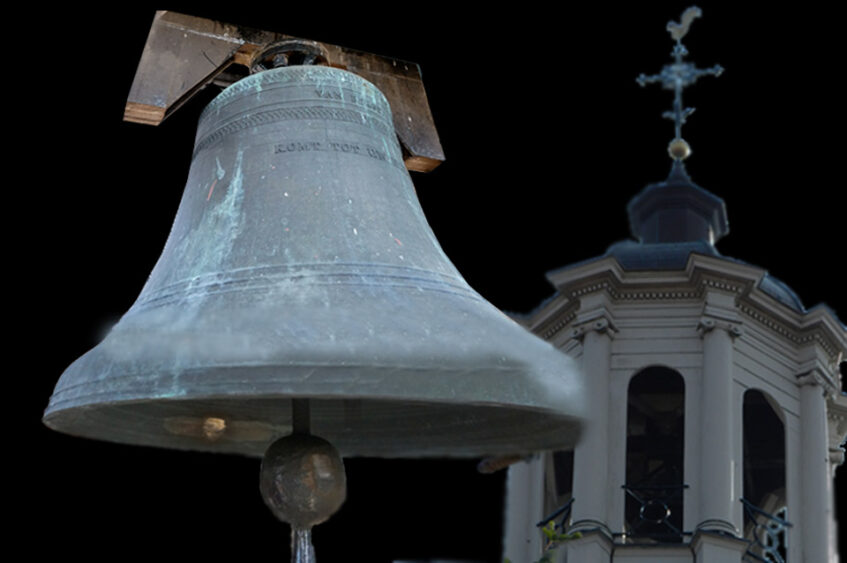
[
  {"x": 555, "y": 532},
  {"x": 654, "y": 522},
  {"x": 768, "y": 535},
  {"x": 562, "y": 514}
]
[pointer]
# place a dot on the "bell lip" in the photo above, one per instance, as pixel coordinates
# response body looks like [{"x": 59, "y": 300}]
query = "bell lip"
[
  {"x": 50, "y": 411},
  {"x": 542, "y": 429},
  {"x": 544, "y": 398},
  {"x": 512, "y": 385}
]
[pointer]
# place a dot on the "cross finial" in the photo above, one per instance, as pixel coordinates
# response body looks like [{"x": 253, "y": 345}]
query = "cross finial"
[{"x": 676, "y": 77}]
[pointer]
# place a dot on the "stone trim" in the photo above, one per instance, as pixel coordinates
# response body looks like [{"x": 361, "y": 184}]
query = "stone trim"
[
  {"x": 602, "y": 325},
  {"x": 692, "y": 284},
  {"x": 816, "y": 377},
  {"x": 728, "y": 541},
  {"x": 708, "y": 324},
  {"x": 565, "y": 317},
  {"x": 800, "y": 336},
  {"x": 836, "y": 418}
]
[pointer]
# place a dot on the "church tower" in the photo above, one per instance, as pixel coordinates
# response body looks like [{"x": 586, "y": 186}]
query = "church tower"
[{"x": 717, "y": 415}]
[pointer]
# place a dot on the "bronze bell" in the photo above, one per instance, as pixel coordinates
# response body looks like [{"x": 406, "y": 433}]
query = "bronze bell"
[{"x": 300, "y": 266}]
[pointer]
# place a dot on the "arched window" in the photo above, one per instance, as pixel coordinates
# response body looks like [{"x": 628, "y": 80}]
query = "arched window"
[
  {"x": 655, "y": 439},
  {"x": 764, "y": 477}
]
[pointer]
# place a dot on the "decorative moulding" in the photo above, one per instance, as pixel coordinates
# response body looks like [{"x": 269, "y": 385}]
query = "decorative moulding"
[{"x": 817, "y": 326}]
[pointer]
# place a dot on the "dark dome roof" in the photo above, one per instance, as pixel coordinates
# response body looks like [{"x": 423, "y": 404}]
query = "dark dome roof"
[
  {"x": 677, "y": 210},
  {"x": 632, "y": 255},
  {"x": 675, "y": 218}
]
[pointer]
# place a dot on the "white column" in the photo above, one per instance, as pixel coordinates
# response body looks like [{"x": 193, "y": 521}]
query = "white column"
[
  {"x": 793, "y": 484},
  {"x": 591, "y": 485},
  {"x": 718, "y": 426},
  {"x": 524, "y": 508},
  {"x": 836, "y": 410},
  {"x": 816, "y": 512}
]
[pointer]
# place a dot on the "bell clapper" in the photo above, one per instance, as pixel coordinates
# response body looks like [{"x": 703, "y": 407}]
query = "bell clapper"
[{"x": 302, "y": 481}]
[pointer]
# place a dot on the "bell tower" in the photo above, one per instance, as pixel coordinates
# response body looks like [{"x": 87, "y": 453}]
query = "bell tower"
[{"x": 717, "y": 411}]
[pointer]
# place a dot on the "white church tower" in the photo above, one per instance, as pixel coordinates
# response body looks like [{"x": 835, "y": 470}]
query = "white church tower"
[{"x": 717, "y": 410}]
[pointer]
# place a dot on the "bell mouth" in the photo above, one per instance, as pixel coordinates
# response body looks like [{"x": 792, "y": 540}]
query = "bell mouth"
[{"x": 357, "y": 427}]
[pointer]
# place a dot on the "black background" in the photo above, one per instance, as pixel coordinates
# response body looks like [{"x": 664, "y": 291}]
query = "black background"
[{"x": 547, "y": 137}]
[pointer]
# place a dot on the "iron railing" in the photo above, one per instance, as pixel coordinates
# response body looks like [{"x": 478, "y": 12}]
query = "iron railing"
[
  {"x": 563, "y": 513},
  {"x": 653, "y": 522},
  {"x": 769, "y": 541}
]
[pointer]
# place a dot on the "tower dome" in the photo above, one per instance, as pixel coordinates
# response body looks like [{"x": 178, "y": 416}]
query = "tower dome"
[{"x": 718, "y": 415}]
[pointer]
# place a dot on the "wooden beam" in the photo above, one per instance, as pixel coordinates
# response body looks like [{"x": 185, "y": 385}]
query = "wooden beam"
[{"x": 184, "y": 54}]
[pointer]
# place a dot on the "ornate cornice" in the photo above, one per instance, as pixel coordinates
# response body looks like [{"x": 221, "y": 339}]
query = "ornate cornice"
[
  {"x": 705, "y": 282},
  {"x": 659, "y": 286},
  {"x": 563, "y": 318},
  {"x": 658, "y": 295},
  {"x": 792, "y": 331},
  {"x": 703, "y": 274},
  {"x": 558, "y": 326}
]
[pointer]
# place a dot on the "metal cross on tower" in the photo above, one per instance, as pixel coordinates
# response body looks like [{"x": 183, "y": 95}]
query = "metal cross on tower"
[{"x": 677, "y": 76}]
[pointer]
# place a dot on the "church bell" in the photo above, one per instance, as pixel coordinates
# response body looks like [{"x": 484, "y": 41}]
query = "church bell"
[{"x": 300, "y": 266}]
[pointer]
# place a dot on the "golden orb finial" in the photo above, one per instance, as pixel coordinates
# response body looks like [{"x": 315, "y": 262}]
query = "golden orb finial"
[{"x": 679, "y": 149}]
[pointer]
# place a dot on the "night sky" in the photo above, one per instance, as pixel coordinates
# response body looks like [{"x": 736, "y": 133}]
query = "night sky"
[{"x": 547, "y": 137}]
